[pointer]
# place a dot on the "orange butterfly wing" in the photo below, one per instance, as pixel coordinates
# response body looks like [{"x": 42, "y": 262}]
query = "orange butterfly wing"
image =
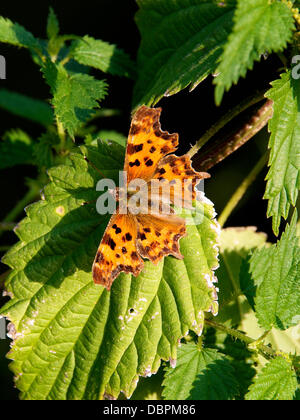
[
  {"x": 152, "y": 236},
  {"x": 158, "y": 236},
  {"x": 147, "y": 144},
  {"x": 117, "y": 251},
  {"x": 181, "y": 176}
]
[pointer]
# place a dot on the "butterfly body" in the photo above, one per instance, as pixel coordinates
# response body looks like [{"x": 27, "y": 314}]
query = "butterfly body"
[{"x": 154, "y": 230}]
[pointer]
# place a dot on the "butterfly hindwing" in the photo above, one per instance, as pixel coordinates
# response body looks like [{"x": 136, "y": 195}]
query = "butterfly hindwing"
[{"x": 158, "y": 236}]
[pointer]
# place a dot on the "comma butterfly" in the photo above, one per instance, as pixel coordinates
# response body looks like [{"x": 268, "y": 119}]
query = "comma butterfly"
[{"x": 129, "y": 237}]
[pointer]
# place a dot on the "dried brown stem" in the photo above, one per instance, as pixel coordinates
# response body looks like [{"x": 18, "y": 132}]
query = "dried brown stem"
[{"x": 220, "y": 149}]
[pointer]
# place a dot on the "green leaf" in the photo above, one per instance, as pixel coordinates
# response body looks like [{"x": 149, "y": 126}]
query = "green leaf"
[
  {"x": 103, "y": 56},
  {"x": 277, "y": 381},
  {"x": 52, "y": 24},
  {"x": 75, "y": 95},
  {"x": 284, "y": 174},
  {"x": 26, "y": 107},
  {"x": 246, "y": 282},
  {"x": 16, "y": 148},
  {"x": 181, "y": 44},
  {"x": 106, "y": 135},
  {"x": 15, "y": 34},
  {"x": 200, "y": 374},
  {"x": 276, "y": 274},
  {"x": 297, "y": 395},
  {"x": 43, "y": 151},
  {"x": 74, "y": 339},
  {"x": 260, "y": 26},
  {"x": 235, "y": 245},
  {"x": 240, "y": 357}
]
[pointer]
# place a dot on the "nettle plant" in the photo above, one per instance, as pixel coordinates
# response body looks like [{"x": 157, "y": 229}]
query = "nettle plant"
[{"x": 73, "y": 339}]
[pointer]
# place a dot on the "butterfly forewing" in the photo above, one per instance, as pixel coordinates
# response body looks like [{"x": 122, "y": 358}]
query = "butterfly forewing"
[
  {"x": 147, "y": 144},
  {"x": 117, "y": 251}
]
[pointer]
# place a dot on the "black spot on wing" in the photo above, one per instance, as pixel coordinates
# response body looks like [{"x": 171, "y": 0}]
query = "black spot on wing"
[
  {"x": 108, "y": 240},
  {"x": 134, "y": 148},
  {"x": 135, "y": 129},
  {"x": 142, "y": 236},
  {"x": 135, "y": 163},
  {"x": 149, "y": 163},
  {"x": 128, "y": 237},
  {"x": 117, "y": 229}
]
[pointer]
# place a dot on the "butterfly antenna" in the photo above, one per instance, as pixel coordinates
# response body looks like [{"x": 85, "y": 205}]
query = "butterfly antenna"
[{"x": 94, "y": 167}]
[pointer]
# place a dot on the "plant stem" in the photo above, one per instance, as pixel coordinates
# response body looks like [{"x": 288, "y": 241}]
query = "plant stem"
[
  {"x": 31, "y": 194},
  {"x": 105, "y": 112},
  {"x": 265, "y": 351},
  {"x": 225, "y": 147},
  {"x": 5, "y": 226},
  {"x": 65, "y": 60},
  {"x": 4, "y": 248},
  {"x": 61, "y": 134},
  {"x": 225, "y": 120},
  {"x": 242, "y": 189},
  {"x": 230, "y": 331}
]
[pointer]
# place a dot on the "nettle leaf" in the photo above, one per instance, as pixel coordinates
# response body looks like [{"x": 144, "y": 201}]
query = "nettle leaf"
[
  {"x": 43, "y": 149},
  {"x": 297, "y": 395},
  {"x": 284, "y": 174},
  {"x": 260, "y": 26},
  {"x": 277, "y": 381},
  {"x": 15, "y": 34},
  {"x": 75, "y": 95},
  {"x": 200, "y": 374},
  {"x": 247, "y": 284},
  {"x": 181, "y": 44},
  {"x": 52, "y": 24},
  {"x": 103, "y": 56},
  {"x": 26, "y": 107},
  {"x": 74, "y": 339},
  {"x": 241, "y": 358},
  {"x": 16, "y": 148},
  {"x": 106, "y": 135},
  {"x": 235, "y": 246},
  {"x": 276, "y": 274}
]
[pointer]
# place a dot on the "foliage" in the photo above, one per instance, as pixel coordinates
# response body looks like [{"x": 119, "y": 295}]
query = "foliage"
[
  {"x": 283, "y": 177},
  {"x": 276, "y": 275},
  {"x": 75, "y": 96},
  {"x": 260, "y": 27},
  {"x": 276, "y": 381},
  {"x": 201, "y": 368},
  {"x": 137, "y": 331},
  {"x": 181, "y": 44},
  {"x": 73, "y": 339}
]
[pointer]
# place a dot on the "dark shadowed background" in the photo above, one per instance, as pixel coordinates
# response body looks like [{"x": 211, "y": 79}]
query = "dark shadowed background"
[{"x": 189, "y": 114}]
